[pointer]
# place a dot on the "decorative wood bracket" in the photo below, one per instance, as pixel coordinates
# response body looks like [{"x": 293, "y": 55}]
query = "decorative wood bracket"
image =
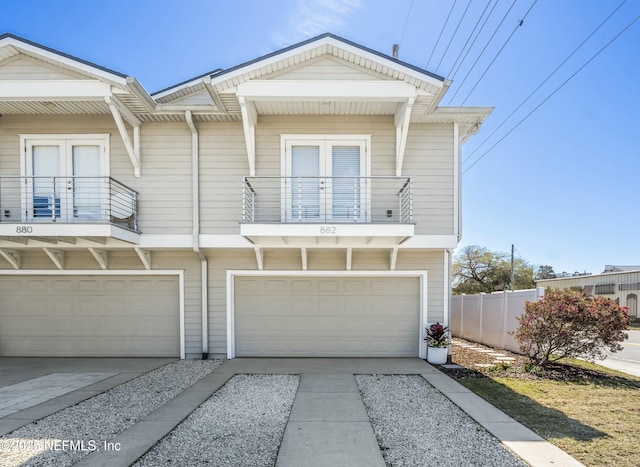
[
  {"x": 249, "y": 121},
  {"x": 145, "y": 257},
  {"x": 100, "y": 256},
  {"x": 119, "y": 110},
  {"x": 401, "y": 120},
  {"x": 13, "y": 258},
  {"x": 259, "y": 258},
  {"x": 393, "y": 259},
  {"x": 56, "y": 256}
]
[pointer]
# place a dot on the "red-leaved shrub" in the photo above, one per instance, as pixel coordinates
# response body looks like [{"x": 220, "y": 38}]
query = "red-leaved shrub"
[{"x": 565, "y": 323}]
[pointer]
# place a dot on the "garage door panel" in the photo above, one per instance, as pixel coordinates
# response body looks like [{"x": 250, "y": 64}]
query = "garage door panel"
[
  {"x": 326, "y": 317},
  {"x": 90, "y": 316}
]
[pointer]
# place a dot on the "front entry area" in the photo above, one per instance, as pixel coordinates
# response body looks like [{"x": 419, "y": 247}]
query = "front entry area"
[
  {"x": 89, "y": 316},
  {"x": 326, "y": 316}
]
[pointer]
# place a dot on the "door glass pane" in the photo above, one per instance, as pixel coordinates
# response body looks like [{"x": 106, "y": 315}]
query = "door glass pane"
[
  {"x": 46, "y": 189},
  {"x": 87, "y": 187},
  {"x": 345, "y": 163},
  {"x": 305, "y": 184}
]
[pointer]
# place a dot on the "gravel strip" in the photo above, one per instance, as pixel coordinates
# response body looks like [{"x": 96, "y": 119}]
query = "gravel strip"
[
  {"x": 68, "y": 435},
  {"x": 240, "y": 425},
  {"x": 416, "y": 425}
]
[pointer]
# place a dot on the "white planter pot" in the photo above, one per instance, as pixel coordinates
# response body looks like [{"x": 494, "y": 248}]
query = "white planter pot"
[{"x": 437, "y": 355}]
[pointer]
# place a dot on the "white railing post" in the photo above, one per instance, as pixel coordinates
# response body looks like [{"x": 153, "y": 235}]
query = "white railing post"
[
  {"x": 244, "y": 199},
  {"x": 53, "y": 201},
  {"x": 410, "y": 200},
  {"x": 299, "y": 199}
]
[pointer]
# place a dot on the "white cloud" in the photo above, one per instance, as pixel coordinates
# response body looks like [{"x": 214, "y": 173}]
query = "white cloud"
[{"x": 313, "y": 17}]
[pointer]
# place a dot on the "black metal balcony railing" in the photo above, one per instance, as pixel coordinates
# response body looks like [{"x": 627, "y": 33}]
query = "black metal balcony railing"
[
  {"x": 99, "y": 200},
  {"x": 386, "y": 200}
]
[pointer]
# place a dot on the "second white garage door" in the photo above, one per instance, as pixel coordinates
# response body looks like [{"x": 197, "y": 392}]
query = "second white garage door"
[
  {"x": 89, "y": 316},
  {"x": 326, "y": 316}
]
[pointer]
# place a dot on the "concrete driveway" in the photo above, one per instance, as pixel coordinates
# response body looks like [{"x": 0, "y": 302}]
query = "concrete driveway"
[{"x": 326, "y": 384}]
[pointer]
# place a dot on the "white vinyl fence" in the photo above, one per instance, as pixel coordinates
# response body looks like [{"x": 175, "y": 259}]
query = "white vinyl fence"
[{"x": 489, "y": 318}]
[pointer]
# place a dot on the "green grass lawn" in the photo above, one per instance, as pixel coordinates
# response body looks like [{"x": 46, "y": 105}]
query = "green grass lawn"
[{"x": 596, "y": 420}]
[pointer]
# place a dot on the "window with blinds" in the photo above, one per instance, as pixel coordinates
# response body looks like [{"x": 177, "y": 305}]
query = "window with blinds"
[{"x": 345, "y": 164}]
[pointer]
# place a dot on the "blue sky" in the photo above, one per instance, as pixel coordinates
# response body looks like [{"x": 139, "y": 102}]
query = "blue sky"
[{"x": 563, "y": 186}]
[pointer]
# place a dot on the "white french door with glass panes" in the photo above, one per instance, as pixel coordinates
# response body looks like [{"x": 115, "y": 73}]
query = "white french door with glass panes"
[
  {"x": 325, "y": 179},
  {"x": 65, "y": 178}
]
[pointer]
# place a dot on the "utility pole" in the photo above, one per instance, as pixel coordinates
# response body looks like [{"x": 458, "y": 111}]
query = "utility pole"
[{"x": 512, "y": 271}]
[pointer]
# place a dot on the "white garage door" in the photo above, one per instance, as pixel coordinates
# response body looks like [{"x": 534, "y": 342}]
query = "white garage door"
[
  {"x": 89, "y": 316},
  {"x": 327, "y": 316}
]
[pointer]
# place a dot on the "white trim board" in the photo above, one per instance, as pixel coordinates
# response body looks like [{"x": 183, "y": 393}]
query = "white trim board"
[
  {"x": 114, "y": 272},
  {"x": 231, "y": 275}
]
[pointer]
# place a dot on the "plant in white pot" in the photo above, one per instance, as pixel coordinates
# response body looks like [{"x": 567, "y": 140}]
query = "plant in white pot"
[{"x": 437, "y": 337}]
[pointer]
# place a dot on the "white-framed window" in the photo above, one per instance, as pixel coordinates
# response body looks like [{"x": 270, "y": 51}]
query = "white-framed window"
[
  {"x": 65, "y": 176},
  {"x": 325, "y": 178}
]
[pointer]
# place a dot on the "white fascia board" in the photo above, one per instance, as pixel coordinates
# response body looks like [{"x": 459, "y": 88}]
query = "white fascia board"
[
  {"x": 436, "y": 242},
  {"x": 461, "y": 114},
  {"x": 304, "y": 49},
  {"x": 78, "y": 65},
  {"x": 149, "y": 241},
  {"x": 92, "y": 272},
  {"x": 11, "y": 90},
  {"x": 338, "y": 230},
  {"x": 334, "y": 90},
  {"x": 37, "y": 229}
]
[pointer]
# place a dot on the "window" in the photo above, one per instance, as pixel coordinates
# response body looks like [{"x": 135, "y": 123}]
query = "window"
[
  {"x": 66, "y": 177},
  {"x": 325, "y": 178},
  {"x": 605, "y": 289}
]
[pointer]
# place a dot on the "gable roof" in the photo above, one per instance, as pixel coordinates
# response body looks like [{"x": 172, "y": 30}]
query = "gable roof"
[
  {"x": 11, "y": 44},
  {"x": 306, "y": 50}
]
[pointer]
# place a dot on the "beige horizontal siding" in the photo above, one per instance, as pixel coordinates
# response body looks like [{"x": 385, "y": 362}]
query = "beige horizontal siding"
[
  {"x": 27, "y": 68},
  {"x": 429, "y": 161},
  {"x": 329, "y": 69},
  {"x": 432, "y": 261},
  {"x": 165, "y": 186}
]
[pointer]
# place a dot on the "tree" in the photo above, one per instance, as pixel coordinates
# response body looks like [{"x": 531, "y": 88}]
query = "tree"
[
  {"x": 476, "y": 269},
  {"x": 565, "y": 323}
]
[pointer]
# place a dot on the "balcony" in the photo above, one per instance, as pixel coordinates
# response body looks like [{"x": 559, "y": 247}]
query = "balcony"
[
  {"x": 346, "y": 211},
  {"x": 42, "y": 208}
]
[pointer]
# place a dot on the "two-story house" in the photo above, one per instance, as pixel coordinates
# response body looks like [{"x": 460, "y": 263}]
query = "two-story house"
[{"x": 304, "y": 203}]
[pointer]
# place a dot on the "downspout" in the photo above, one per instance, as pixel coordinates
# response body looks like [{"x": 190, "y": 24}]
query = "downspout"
[
  {"x": 196, "y": 233},
  {"x": 448, "y": 257}
]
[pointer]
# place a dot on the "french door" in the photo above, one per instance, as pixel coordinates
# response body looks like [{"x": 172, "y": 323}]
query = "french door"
[
  {"x": 325, "y": 181},
  {"x": 65, "y": 179}
]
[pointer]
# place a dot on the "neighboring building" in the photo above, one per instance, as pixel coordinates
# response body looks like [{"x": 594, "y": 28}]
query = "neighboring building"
[
  {"x": 301, "y": 204},
  {"x": 619, "y": 283}
]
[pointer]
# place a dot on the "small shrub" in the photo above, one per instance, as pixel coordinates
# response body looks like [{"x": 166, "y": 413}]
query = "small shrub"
[
  {"x": 499, "y": 368},
  {"x": 437, "y": 335},
  {"x": 565, "y": 323}
]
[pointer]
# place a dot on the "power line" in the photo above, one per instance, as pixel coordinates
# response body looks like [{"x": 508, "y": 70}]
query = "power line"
[
  {"x": 482, "y": 51},
  {"x": 545, "y": 80},
  {"x": 500, "y": 51},
  {"x": 453, "y": 35},
  {"x": 553, "y": 93},
  {"x": 443, "y": 27},
  {"x": 405, "y": 23},
  {"x": 471, "y": 35}
]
